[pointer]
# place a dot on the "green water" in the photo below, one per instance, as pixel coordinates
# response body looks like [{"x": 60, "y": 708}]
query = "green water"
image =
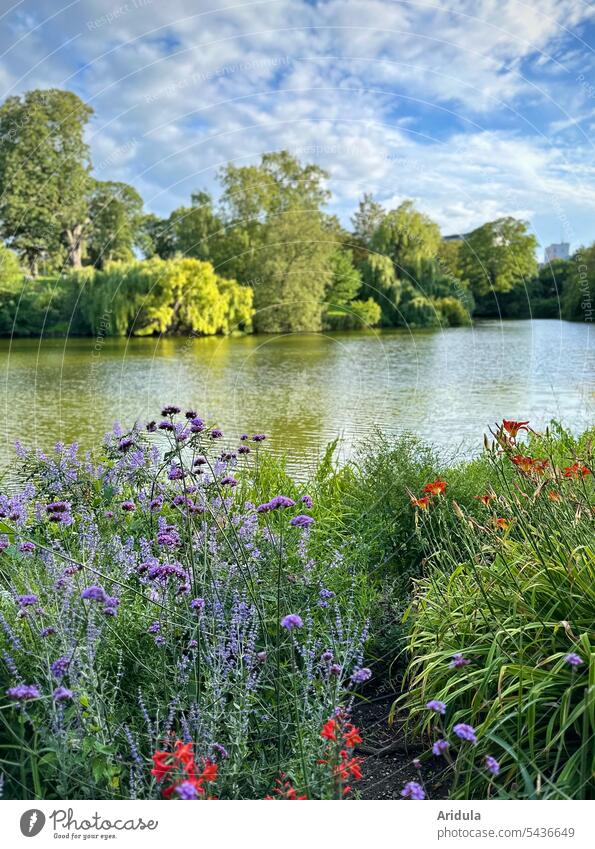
[{"x": 304, "y": 390}]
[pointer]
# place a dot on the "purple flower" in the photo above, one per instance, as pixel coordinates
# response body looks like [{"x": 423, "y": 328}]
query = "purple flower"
[
  {"x": 259, "y": 437},
  {"x": 221, "y": 751},
  {"x": 27, "y": 547},
  {"x": 58, "y": 507},
  {"x": 151, "y": 427},
  {"x": 281, "y": 501},
  {"x": 413, "y": 790},
  {"x": 166, "y": 426},
  {"x": 335, "y": 669},
  {"x": 27, "y": 600},
  {"x": 23, "y": 692},
  {"x": 573, "y": 659},
  {"x": 170, "y": 410},
  {"x": 458, "y": 661},
  {"x": 436, "y": 706},
  {"x": 192, "y": 644},
  {"x": 200, "y": 461},
  {"x": 191, "y": 414},
  {"x": 361, "y": 675},
  {"x": 465, "y": 732},
  {"x": 416, "y": 763},
  {"x": 94, "y": 593},
  {"x": 440, "y": 747},
  {"x": 125, "y": 444},
  {"x": 59, "y": 667},
  {"x": 244, "y": 449},
  {"x": 159, "y": 641},
  {"x": 197, "y": 604},
  {"x": 216, "y": 433},
  {"x": 62, "y": 694},
  {"x": 301, "y": 521},
  {"x": 291, "y": 621},
  {"x": 187, "y": 791},
  {"x": 228, "y": 480},
  {"x": 307, "y": 501},
  {"x": 492, "y": 765},
  {"x": 154, "y": 628},
  {"x": 4, "y": 542},
  {"x": 261, "y": 656},
  {"x": 264, "y": 508},
  {"x": 175, "y": 473},
  {"x": 127, "y": 506},
  {"x": 197, "y": 425},
  {"x": 48, "y": 632}
]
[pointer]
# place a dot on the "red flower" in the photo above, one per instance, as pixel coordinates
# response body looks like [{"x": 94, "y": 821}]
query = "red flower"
[
  {"x": 328, "y": 730},
  {"x": 285, "y": 790},
  {"x": 485, "y": 499},
  {"x": 512, "y": 428},
  {"x": 160, "y": 765},
  {"x": 554, "y": 496},
  {"x": 421, "y": 503},
  {"x": 436, "y": 487},
  {"x": 351, "y": 736},
  {"x": 180, "y": 766},
  {"x": 209, "y": 772}
]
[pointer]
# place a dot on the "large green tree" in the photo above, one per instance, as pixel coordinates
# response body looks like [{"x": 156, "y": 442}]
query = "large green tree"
[
  {"x": 115, "y": 222},
  {"x": 407, "y": 236},
  {"x": 278, "y": 239},
  {"x": 498, "y": 256},
  {"x": 44, "y": 176},
  {"x": 345, "y": 281}
]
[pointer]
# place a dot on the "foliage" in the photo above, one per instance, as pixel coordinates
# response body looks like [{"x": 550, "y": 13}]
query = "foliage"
[
  {"x": 367, "y": 219},
  {"x": 356, "y": 315},
  {"x": 345, "y": 281},
  {"x": 578, "y": 298},
  {"x": 44, "y": 175},
  {"x": 407, "y": 237},
  {"x": 498, "y": 256},
  {"x": 146, "y": 600},
  {"x": 167, "y": 296},
  {"x": 502, "y": 625}
]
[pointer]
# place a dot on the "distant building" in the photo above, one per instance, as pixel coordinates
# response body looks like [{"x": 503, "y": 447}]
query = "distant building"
[{"x": 557, "y": 251}]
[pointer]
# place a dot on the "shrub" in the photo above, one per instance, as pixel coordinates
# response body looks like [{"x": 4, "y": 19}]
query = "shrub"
[
  {"x": 356, "y": 315},
  {"x": 503, "y": 635},
  {"x": 147, "y": 598}
]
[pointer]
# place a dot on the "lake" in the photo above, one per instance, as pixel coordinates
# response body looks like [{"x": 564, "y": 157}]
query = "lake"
[{"x": 304, "y": 390}]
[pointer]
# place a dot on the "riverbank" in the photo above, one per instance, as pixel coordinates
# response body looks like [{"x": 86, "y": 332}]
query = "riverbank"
[{"x": 170, "y": 590}]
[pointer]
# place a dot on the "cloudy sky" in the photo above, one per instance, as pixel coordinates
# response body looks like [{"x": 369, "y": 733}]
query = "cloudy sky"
[{"x": 474, "y": 108}]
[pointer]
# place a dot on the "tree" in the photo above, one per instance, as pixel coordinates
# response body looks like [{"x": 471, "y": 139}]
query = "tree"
[
  {"x": 116, "y": 219},
  {"x": 278, "y": 239},
  {"x": 44, "y": 175},
  {"x": 578, "y": 299},
  {"x": 367, "y": 219},
  {"x": 407, "y": 237},
  {"x": 498, "y": 256},
  {"x": 381, "y": 283},
  {"x": 448, "y": 257},
  {"x": 345, "y": 281}
]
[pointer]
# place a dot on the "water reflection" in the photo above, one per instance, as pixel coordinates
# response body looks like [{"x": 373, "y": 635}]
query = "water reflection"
[{"x": 304, "y": 390}]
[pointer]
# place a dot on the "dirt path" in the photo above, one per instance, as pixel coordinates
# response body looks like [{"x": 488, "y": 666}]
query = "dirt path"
[{"x": 388, "y": 755}]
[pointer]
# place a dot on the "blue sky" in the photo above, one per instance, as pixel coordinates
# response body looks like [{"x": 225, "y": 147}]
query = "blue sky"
[{"x": 473, "y": 108}]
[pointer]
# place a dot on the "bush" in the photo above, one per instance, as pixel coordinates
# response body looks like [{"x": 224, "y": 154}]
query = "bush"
[
  {"x": 145, "y": 600},
  {"x": 356, "y": 315},
  {"x": 158, "y": 296}
]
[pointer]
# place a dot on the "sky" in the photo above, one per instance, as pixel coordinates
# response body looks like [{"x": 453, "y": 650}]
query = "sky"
[{"x": 475, "y": 109}]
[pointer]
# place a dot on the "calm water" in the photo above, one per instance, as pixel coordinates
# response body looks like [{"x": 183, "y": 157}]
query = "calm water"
[{"x": 305, "y": 390}]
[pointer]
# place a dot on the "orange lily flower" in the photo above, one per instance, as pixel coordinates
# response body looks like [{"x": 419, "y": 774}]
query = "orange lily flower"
[
  {"x": 512, "y": 428},
  {"x": 554, "y": 496},
  {"x": 576, "y": 471},
  {"x": 502, "y": 523},
  {"x": 540, "y": 466},
  {"x": 422, "y": 503},
  {"x": 436, "y": 487},
  {"x": 485, "y": 499}
]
